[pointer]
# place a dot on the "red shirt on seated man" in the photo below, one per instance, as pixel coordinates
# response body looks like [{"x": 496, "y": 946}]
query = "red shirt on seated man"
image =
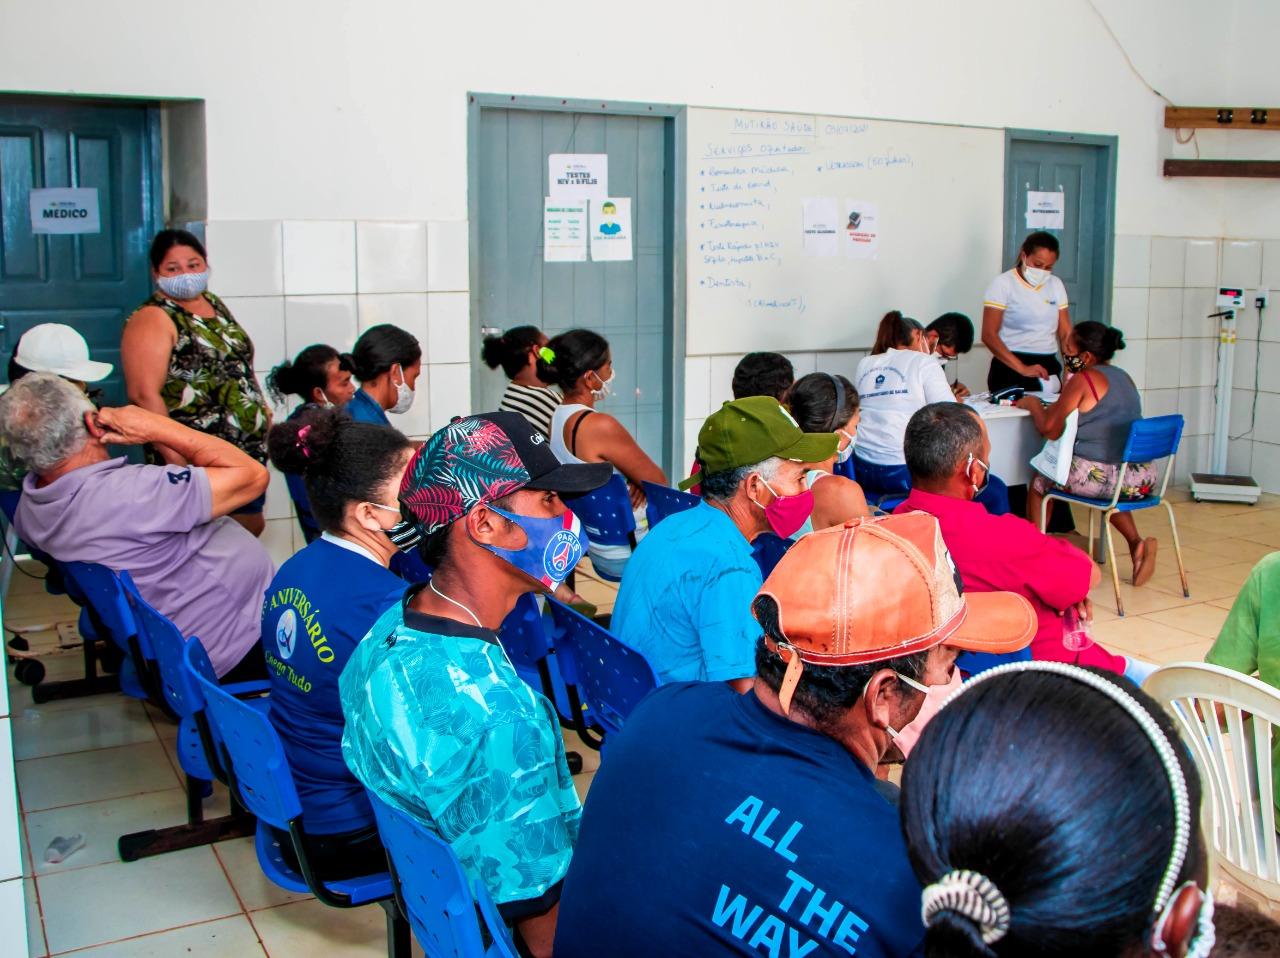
[{"x": 947, "y": 451}]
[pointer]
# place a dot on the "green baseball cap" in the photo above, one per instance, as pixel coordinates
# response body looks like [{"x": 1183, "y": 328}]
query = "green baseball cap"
[{"x": 746, "y": 431}]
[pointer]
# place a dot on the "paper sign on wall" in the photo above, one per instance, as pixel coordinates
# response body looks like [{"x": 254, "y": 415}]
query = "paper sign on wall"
[
  {"x": 578, "y": 175},
  {"x": 611, "y": 229},
  {"x": 861, "y": 229},
  {"x": 1045, "y": 210},
  {"x": 821, "y": 224},
  {"x": 65, "y": 210},
  {"x": 564, "y": 231}
]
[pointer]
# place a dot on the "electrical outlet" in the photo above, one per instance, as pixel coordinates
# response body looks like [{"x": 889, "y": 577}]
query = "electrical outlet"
[{"x": 1260, "y": 298}]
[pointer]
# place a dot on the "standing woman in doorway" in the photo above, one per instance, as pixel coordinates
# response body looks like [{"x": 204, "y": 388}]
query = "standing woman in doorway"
[
  {"x": 387, "y": 362},
  {"x": 185, "y": 356},
  {"x": 1025, "y": 319}
]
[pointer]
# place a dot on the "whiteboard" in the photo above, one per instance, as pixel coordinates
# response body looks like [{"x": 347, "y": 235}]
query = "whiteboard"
[{"x": 926, "y": 237}]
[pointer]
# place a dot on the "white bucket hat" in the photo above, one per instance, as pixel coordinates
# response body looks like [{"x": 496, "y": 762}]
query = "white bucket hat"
[{"x": 57, "y": 348}]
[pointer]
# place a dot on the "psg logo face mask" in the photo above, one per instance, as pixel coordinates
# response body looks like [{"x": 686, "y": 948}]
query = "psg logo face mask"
[{"x": 551, "y": 550}]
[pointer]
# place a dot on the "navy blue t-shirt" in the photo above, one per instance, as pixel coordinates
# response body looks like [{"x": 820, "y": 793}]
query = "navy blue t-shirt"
[
  {"x": 715, "y": 826},
  {"x": 320, "y": 605},
  {"x": 364, "y": 408}
]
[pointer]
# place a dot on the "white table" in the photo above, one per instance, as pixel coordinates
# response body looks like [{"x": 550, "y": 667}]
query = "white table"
[{"x": 1014, "y": 440}]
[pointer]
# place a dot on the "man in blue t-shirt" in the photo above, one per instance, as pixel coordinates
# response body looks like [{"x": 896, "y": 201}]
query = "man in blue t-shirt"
[
  {"x": 754, "y": 824},
  {"x": 685, "y": 600}
]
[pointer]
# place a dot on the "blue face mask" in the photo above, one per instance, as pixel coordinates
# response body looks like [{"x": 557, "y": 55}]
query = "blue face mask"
[{"x": 552, "y": 549}]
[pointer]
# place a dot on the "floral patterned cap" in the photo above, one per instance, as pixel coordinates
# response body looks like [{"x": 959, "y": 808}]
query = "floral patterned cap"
[{"x": 479, "y": 459}]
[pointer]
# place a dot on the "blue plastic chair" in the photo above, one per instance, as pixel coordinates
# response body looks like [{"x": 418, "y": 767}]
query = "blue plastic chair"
[
  {"x": 768, "y": 549},
  {"x": 108, "y": 614},
  {"x": 197, "y": 751},
  {"x": 607, "y": 675},
  {"x": 607, "y": 516},
  {"x": 302, "y": 507},
  {"x": 663, "y": 501},
  {"x": 1150, "y": 440},
  {"x": 260, "y": 778},
  {"x": 445, "y": 910}
]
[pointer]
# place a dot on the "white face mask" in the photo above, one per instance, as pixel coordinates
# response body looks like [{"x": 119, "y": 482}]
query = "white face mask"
[
  {"x": 603, "y": 391},
  {"x": 845, "y": 454},
  {"x": 404, "y": 396},
  {"x": 1034, "y": 277},
  {"x": 184, "y": 286}
]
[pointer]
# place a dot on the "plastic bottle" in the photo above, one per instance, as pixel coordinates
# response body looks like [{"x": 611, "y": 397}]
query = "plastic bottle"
[
  {"x": 61, "y": 848},
  {"x": 1077, "y": 632}
]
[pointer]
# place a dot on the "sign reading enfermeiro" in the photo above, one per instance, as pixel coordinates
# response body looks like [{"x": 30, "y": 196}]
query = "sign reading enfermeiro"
[{"x": 65, "y": 210}]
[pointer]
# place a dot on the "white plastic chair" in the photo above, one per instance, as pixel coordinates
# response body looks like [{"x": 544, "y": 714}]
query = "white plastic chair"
[{"x": 1235, "y": 766}]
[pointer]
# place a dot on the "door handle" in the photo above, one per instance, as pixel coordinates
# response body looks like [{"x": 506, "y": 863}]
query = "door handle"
[{"x": 490, "y": 331}]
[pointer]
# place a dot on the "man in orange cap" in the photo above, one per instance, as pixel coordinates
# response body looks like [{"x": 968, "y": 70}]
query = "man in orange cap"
[{"x": 754, "y": 824}]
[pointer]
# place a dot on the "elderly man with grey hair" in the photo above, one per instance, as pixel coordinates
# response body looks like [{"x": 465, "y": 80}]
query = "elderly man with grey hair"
[
  {"x": 685, "y": 601},
  {"x": 165, "y": 525}
]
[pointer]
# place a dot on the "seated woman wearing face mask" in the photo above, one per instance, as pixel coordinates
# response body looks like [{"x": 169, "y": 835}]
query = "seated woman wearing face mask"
[
  {"x": 821, "y": 402},
  {"x": 578, "y": 362},
  {"x": 318, "y": 608},
  {"x": 387, "y": 362},
  {"x": 320, "y": 376},
  {"x": 898, "y": 378}
]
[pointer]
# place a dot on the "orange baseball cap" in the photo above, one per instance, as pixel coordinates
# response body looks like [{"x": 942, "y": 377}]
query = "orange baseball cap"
[{"x": 876, "y": 589}]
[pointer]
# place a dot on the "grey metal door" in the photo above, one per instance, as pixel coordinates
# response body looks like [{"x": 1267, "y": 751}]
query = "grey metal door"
[
  {"x": 1083, "y": 172},
  {"x": 88, "y": 281},
  {"x": 629, "y": 303}
]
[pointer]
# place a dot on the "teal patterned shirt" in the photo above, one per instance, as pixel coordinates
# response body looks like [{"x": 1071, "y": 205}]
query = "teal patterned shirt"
[{"x": 439, "y": 724}]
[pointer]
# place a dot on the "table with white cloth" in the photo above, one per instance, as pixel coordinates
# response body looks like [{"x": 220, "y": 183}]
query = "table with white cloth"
[{"x": 1014, "y": 440}]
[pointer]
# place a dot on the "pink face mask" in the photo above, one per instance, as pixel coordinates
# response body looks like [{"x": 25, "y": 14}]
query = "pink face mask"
[{"x": 786, "y": 514}]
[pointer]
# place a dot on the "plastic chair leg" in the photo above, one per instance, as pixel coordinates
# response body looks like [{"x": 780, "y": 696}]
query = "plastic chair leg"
[
  {"x": 1111, "y": 557},
  {"x": 195, "y": 832},
  {"x": 1177, "y": 551},
  {"x": 91, "y": 684},
  {"x": 398, "y": 936}
]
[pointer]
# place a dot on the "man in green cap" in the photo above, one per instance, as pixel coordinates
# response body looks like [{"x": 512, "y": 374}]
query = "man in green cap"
[{"x": 685, "y": 601}]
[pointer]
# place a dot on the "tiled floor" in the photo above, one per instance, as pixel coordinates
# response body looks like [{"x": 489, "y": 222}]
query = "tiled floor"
[{"x": 104, "y": 766}]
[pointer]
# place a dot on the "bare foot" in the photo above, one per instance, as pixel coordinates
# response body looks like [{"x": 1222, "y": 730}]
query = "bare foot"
[{"x": 1144, "y": 561}]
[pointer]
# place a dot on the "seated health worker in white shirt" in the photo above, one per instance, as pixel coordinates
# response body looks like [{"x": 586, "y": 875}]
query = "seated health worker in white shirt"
[
  {"x": 899, "y": 377},
  {"x": 1025, "y": 318}
]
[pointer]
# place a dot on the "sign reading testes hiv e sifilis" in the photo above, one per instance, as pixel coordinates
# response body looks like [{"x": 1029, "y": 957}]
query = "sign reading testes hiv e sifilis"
[{"x": 65, "y": 210}]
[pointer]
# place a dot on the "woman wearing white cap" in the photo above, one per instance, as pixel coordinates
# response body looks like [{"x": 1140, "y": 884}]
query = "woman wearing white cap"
[{"x": 48, "y": 348}]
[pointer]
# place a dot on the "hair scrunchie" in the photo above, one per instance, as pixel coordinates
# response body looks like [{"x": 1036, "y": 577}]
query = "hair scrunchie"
[
  {"x": 301, "y": 441},
  {"x": 547, "y": 355},
  {"x": 973, "y": 895}
]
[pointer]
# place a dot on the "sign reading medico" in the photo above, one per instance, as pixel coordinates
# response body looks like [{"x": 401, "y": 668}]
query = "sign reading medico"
[{"x": 65, "y": 210}]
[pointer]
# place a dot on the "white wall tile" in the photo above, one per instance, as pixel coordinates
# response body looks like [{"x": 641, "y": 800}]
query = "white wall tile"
[
  {"x": 1129, "y": 308},
  {"x": 1241, "y": 411},
  {"x": 697, "y": 387},
  {"x": 1159, "y": 402},
  {"x": 319, "y": 257},
  {"x": 1133, "y": 260},
  {"x": 689, "y": 447},
  {"x": 448, "y": 327},
  {"x": 1202, "y": 263},
  {"x": 1164, "y": 314},
  {"x": 1199, "y": 363},
  {"x": 973, "y": 367},
  {"x": 722, "y": 368},
  {"x": 1247, "y": 324},
  {"x": 1245, "y": 365},
  {"x": 1197, "y": 304},
  {"x": 1269, "y": 372},
  {"x": 1193, "y": 456},
  {"x": 1241, "y": 263},
  {"x": 1266, "y": 466},
  {"x": 1240, "y": 457},
  {"x": 804, "y": 363},
  {"x": 1271, "y": 264},
  {"x": 1164, "y": 358},
  {"x": 1270, "y": 318},
  {"x": 447, "y": 257},
  {"x": 1168, "y": 261},
  {"x": 1133, "y": 360},
  {"x": 263, "y": 319},
  {"x": 278, "y": 539},
  {"x": 450, "y": 393},
  {"x": 279, "y": 505},
  {"x": 391, "y": 257},
  {"x": 1266, "y": 427},
  {"x": 405, "y": 310},
  {"x": 319, "y": 319},
  {"x": 1196, "y": 406},
  {"x": 245, "y": 257}
]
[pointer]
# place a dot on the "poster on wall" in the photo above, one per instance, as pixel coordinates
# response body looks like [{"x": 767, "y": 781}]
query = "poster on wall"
[
  {"x": 63, "y": 210},
  {"x": 1045, "y": 211},
  {"x": 579, "y": 176},
  {"x": 564, "y": 231},
  {"x": 861, "y": 229},
  {"x": 611, "y": 229},
  {"x": 821, "y": 225}
]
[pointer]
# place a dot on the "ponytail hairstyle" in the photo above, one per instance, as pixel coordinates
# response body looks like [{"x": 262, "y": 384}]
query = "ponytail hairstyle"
[
  {"x": 1102, "y": 341},
  {"x": 1012, "y": 812},
  {"x": 572, "y": 354},
  {"x": 511, "y": 349},
  {"x": 821, "y": 402},
  {"x": 308, "y": 372},
  {"x": 381, "y": 347},
  {"x": 895, "y": 332},
  {"x": 1037, "y": 240},
  {"x": 340, "y": 460}
]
